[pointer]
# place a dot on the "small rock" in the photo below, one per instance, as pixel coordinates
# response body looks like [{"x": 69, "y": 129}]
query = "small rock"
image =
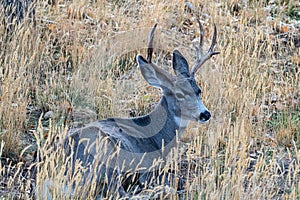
[
  {"x": 48, "y": 115},
  {"x": 189, "y": 6}
]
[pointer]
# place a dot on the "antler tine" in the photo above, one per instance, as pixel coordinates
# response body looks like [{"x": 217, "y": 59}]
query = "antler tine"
[
  {"x": 203, "y": 58},
  {"x": 201, "y": 38},
  {"x": 199, "y": 47},
  {"x": 214, "y": 42},
  {"x": 150, "y": 44}
]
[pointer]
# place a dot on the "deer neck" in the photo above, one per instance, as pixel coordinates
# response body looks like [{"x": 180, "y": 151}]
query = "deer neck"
[
  {"x": 164, "y": 122},
  {"x": 169, "y": 113}
]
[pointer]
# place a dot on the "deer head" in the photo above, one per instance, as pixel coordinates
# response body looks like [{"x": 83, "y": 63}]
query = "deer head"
[{"x": 181, "y": 91}]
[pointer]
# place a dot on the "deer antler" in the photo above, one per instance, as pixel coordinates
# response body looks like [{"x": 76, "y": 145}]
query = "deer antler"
[
  {"x": 150, "y": 44},
  {"x": 201, "y": 59}
]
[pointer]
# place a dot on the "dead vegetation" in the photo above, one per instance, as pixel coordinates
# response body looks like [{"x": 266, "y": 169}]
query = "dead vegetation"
[{"x": 77, "y": 64}]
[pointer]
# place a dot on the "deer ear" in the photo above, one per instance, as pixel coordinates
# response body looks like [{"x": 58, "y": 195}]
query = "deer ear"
[
  {"x": 180, "y": 64},
  {"x": 155, "y": 76}
]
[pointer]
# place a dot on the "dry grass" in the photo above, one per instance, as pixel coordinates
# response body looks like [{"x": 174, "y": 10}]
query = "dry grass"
[{"x": 77, "y": 65}]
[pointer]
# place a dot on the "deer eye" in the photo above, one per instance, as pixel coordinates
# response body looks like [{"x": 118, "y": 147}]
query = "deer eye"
[{"x": 179, "y": 95}]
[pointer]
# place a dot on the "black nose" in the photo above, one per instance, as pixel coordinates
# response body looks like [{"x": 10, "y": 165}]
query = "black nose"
[{"x": 204, "y": 116}]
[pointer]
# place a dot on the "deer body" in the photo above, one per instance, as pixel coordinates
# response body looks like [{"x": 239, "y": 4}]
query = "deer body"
[
  {"x": 135, "y": 144},
  {"x": 137, "y": 136}
]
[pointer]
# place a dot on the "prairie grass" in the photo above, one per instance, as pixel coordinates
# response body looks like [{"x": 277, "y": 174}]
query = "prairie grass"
[{"x": 78, "y": 65}]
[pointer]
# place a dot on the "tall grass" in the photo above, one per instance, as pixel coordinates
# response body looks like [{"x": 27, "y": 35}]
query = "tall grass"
[{"x": 78, "y": 64}]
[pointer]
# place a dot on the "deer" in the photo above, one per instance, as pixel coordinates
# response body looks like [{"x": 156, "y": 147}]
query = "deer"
[{"x": 117, "y": 147}]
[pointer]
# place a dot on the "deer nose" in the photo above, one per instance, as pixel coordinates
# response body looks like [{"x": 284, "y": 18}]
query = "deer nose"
[{"x": 204, "y": 116}]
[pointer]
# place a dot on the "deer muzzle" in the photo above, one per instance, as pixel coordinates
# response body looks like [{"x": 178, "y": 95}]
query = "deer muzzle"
[{"x": 204, "y": 116}]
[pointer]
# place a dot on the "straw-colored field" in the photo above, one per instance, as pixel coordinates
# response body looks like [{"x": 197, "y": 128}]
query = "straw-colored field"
[{"x": 77, "y": 64}]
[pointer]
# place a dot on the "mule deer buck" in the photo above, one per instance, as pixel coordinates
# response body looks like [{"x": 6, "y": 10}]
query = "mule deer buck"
[{"x": 117, "y": 147}]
